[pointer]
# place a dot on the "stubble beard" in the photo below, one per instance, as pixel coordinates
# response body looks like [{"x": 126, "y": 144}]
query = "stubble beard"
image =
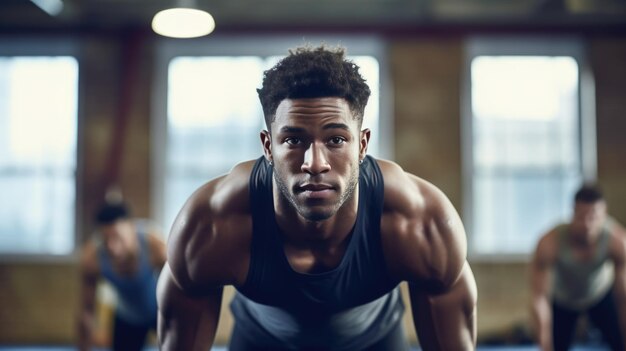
[{"x": 316, "y": 216}]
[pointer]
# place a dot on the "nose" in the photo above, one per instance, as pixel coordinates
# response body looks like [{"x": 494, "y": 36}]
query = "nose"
[
  {"x": 315, "y": 161},
  {"x": 591, "y": 220},
  {"x": 113, "y": 245}
]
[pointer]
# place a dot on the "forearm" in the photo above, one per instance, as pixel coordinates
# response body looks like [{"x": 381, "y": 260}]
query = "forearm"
[
  {"x": 85, "y": 331},
  {"x": 622, "y": 319},
  {"x": 447, "y": 321},
  {"x": 86, "y": 315},
  {"x": 542, "y": 320},
  {"x": 191, "y": 332},
  {"x": 618, "y": 251},
  {"x": 619, "y": 293},
  {"x": 186, "y": 322}
]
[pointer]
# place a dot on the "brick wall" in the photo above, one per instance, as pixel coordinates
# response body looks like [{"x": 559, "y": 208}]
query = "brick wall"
[{"x": 38, "y": 301}]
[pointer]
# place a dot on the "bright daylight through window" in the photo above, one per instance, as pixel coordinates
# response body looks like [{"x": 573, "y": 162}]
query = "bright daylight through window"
[
  {"x": 526, "y": 156},
  {"x": 38, "y": 117}
]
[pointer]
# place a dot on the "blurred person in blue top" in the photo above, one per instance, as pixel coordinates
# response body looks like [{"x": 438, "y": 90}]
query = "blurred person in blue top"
[{"x": 129, "y": 254}]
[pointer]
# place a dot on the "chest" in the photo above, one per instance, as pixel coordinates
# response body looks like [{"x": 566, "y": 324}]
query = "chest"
[
  {"x": 125, "y": 266},
  {"x": 582, "y": 259},
  {"x": 584, "y": 254},
  {"x": 314, "y": 261},
  {"x": 333, "y": 279}
]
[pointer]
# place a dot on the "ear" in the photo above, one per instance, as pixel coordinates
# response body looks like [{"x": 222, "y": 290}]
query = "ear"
[
  {"x": 363, "y": 142},
  {"x": 266, "y": 141}
]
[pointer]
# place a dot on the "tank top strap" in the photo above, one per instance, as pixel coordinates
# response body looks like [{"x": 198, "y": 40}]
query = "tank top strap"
[
  {"x": 563, "y": 249},
  {"x": 371, "y": 178},
  {"x": 261, "y": 199},
  {"x": 262, "y": 212},
  {"x": 144, "y": 249},
  {"x": 602, "y": 251},
  {"x": 371, "y": 185}
]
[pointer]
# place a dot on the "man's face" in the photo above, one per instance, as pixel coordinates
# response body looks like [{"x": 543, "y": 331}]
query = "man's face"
[
  {"x": 118, "y": 237},
  {"x": 315, "y": 145},
  {"x": 588, "y": 218}
]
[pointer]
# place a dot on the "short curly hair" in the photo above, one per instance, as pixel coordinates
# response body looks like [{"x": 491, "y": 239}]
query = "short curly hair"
[
  {"x": 309, "y": 72},
  {"x": 108, "y": 213},
  {"x": 589, "y": 193}
]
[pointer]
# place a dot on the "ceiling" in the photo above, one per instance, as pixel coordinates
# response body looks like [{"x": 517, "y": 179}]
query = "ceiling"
[{"x": 253, "y": 15}]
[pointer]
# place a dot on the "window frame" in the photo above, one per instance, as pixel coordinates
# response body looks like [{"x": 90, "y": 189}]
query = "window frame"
[
  {"x": 44, "y": 47},
  {"x": 252, "y": 45},
  {"x": 523, "y": 46}
]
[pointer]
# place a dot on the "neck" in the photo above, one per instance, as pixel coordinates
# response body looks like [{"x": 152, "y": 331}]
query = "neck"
[
  {"x": 301, "y": 232},
  {"x": 584, "y": 239}
]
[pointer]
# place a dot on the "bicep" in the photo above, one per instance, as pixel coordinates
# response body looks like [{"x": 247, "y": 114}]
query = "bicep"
[
  {"x": 619, "y": 263},
  {"x": 620, "y": 283},
  {"x": 540, "y": 280},
  {"x": 432, "y": 248},
  {"x": 446, "y": 239},
  {"x": 540, "y": 267},
  {"x": 89, "y": 275},
  {"x": 186, "y": 321},
  {"x": 444, "y": 250}
]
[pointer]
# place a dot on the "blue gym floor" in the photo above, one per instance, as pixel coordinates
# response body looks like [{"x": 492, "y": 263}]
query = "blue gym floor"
[{"x": 480, "y": 348}]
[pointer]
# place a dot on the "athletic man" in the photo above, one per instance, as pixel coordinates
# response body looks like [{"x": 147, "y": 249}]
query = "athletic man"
[
  {"x": 129, "y": 254},
  {"x": 587, "y": 261},
  {"x": 316, "y": 236}
]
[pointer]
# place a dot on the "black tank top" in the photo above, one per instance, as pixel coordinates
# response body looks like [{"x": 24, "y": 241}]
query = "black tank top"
[{"x": 274, "y": 291}]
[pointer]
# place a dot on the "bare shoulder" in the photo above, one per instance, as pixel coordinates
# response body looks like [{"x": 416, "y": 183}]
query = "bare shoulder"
[
  {"x": 423, "y": 235},
  {"x": 157, "y": 249},
  {"x": 402, "y": 191},
  {"x": 412, "y": 195},
  {"x": 617, "y": 228},
  {"x": 209, "y": 240},
  {"x": 617, "y": 239},
  {"x": 547, "y": 248}
]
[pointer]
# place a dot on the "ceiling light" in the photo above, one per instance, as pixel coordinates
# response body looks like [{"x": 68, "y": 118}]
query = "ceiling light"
[
  {"x": 183, "y": 21},
  {"x": 51, "y": 7}
]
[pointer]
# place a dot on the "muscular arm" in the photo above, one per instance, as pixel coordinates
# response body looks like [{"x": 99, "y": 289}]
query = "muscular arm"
[
  {"x": 446, "y": 320},
  {"x": 426, "y": 246},
  {"x": 207, "y": 249},
  {"x": 186, "y": 322},
  {"x": 89, "y": 279},
  {"x": 188, "y": 295},
  {"x": 541, "y": 310},
  {"x": 443, "y": 293},
  {"x": 158, "y": 255},
  {"x": 618, "y": 248}
]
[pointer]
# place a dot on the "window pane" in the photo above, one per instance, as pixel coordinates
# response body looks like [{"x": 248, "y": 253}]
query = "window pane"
[
  {"x": 370, "y": 70},
  {"x": 38, "y": 117},
  {"x": 214, "y": 119},
  {"x": 526, "y": 148}
]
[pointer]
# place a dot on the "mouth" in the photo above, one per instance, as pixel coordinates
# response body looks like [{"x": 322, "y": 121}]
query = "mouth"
[
  {"x": 316, "y": 191},
  {"x": 314, "y": 187}
]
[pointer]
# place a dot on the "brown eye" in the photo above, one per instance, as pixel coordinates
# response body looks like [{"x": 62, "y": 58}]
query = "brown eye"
[
  {"x": 293, "y": 141},
  {"x": 337, "y": 140}
]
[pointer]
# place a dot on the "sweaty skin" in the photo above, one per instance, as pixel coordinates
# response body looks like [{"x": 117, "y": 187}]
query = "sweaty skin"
[{"x": 315, "y": 146}]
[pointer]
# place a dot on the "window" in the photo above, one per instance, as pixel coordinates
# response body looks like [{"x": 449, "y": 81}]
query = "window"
[
  {"x": 38, "y": 123},
  {"x": 524, "y": 143},
  {"x": 214, "y": 115}
]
